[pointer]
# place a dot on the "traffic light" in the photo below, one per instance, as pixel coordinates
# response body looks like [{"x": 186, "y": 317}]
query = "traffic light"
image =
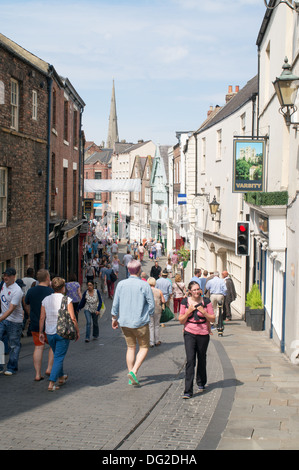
[{"x": 243, "y": 239}]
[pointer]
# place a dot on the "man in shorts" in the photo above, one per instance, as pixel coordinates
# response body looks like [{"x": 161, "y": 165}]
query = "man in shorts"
[
  {"x": 34, "y": 298},
  {"x": 11, "y": 319},
  {"x": 132, "y": 306}
]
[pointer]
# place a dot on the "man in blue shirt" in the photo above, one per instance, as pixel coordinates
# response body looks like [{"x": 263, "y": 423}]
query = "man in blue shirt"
[
  {"x": 218, "y": 290},
  {"x": 164, "y": 284},
  {"x": 132, "y": 306}
]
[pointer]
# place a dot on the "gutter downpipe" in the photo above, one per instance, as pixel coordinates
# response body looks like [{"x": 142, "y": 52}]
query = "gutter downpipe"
[
  {"x": 50, "y": 83},
  {"x": 258, "y": 95},
  {"x": 81, "y": 168},
  {"x": 282, "y": 343}
]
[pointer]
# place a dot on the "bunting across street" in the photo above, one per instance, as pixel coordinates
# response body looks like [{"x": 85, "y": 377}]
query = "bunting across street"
[{"x": 99, "y": 185}]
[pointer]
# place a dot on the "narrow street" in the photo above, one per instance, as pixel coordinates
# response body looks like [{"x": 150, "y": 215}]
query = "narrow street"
[{"x": 251, "y": 401}]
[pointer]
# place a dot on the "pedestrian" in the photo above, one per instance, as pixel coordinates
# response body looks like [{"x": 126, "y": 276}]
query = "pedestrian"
[
  {"x": 156, "y": 271},
  {"x": 48, "y": 319},
  {"x": 73, "y": 290},
  {"x": 159, "y": 249},
  {"x": 103, "y": 269},
  {"x": 33, "y": 299},
  {"x": 115, "y": 264},
  {"x": 91, "y": 302},
  {"x": 197, "y": 277},
  {"x": 229, "y": 297},
  {"x": 218, "y": 290},
  {"x": 126, "y": 260},
  {"x": 132, "y": 307},
  {"x": 174, "y": 262},
  {"x": 196, "y": 313},
  {"x": 154, "y": 325},
  {"x": 114, "y": 248},
  {"x": 169, "y": 266},
  {"x": 154, "y": 251},
  {"x": 164, "y": 284},
  {"x": 179, "y": 292},
  {"x": 203, "y": 280},
  {"x": 144, "y": 276},
  {"x": 110, "y": 280},
  {"x": 11, "y": 319},
  {"x": 141, "y": 251},
  {"x": 90, "y": 272},
  {"x": 29, "y": 281}
]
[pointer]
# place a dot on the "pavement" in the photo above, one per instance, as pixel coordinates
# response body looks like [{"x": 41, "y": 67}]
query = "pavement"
[{"x": 251, "y": 401}]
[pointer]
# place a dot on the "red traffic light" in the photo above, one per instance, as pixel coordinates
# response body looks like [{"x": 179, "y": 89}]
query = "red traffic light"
[{"x": 243, "y": 239}]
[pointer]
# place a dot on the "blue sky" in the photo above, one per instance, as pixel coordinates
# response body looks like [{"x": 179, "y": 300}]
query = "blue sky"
[{"x": 170, "y": 59}]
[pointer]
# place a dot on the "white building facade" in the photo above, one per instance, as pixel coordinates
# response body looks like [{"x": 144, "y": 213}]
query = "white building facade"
[
  {"x": 277, "y": 249},
  {"x": 209, "y": 174}
]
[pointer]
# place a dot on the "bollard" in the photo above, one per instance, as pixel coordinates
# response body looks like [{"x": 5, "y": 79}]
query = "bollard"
[{"x": 2, "y": 353}]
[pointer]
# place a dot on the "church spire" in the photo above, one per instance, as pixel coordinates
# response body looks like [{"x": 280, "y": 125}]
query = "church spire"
[{"x": 113, "y": 129}]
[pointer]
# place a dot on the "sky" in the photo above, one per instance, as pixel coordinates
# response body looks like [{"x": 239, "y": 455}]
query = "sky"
[{"x": 170, "y": 59}]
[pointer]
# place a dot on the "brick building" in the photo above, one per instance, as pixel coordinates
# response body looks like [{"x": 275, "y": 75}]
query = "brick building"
[
  {"x": 41, "y": 164},
  {"x": 66, "y": 178},
  {"x": 23, "y": 157}
]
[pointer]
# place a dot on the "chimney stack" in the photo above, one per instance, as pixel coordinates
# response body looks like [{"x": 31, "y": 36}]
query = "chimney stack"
[
  {"x": 230, "y": 93},
  {"x": 210, "y": 111}
]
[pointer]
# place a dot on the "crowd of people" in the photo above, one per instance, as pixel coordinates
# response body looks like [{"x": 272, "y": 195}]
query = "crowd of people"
[{"x": 39, "y": 300}]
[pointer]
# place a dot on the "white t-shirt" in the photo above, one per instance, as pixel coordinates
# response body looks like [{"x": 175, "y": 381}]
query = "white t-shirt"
[
  {"x": 12, "y": 295},
  {"x": 28, "y": 281},
  {"x": 52, "y": 304}
]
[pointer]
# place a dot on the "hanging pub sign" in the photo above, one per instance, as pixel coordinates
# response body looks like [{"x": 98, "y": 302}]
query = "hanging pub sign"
[{"x": 248, "y": 165}]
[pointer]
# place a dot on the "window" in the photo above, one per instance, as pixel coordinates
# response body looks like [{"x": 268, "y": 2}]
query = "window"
[
  {"x": 19, "y": 266},
  {"x": 65, "y": 193},
  {"x": 54, "y": 109},
  {"x": 3, "y": 196},
  {"x": 53, "y": 183},
  {"x": 98, "y": 175},
  {"x": 14, "y": 101},
  {"x": 74, "y": 193},
  {"x": 34, "y": 105},
  {"x": 66, "y": 121},
  {"x": 98, "y": 196},
  {"x": 147, "y": 195},
  {"x": 75, "y": 124},
  {"x": 219, "y": 144}
]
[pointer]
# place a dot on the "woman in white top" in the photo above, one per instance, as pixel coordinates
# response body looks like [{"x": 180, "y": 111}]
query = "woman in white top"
[{"x": 48, "y": 318}]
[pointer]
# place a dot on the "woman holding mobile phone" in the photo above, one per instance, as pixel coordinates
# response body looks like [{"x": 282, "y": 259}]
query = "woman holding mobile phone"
[{"x": 196, "y": 313}]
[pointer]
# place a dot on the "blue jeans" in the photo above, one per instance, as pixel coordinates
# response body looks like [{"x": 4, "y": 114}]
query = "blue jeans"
[
  {"x": 12, "y": 332},
  {"x": 59, "y": 346},
  {"x": 94, "y": 319}
]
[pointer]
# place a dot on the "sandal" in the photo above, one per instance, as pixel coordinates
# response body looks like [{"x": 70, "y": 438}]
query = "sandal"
[
  {"x": 63, "y": 380},
  {"x": 53, "y": 389}
]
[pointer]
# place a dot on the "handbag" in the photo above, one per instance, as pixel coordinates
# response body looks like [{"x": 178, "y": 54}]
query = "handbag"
[
  {"x": 65, "y": 325},
  {"x": 103, "y": 309},
  {"x": 166, "y": 315}
]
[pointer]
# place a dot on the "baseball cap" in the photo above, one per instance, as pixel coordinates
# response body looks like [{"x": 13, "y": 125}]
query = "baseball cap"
[{"x": 10, "y": 272}]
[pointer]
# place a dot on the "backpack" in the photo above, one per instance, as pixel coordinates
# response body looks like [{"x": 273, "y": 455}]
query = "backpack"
[{"x": 113, "y": 276}]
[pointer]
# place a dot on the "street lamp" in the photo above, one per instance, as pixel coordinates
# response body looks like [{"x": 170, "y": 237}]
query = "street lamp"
[
  {"x": 286, "y": 87},
  {"x": 214, "y": 205}
]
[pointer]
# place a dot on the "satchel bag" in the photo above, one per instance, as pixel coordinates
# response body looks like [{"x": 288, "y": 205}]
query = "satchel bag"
[
  {"x": 65, "y": 326},
  {"x": 167, "y": 315}
]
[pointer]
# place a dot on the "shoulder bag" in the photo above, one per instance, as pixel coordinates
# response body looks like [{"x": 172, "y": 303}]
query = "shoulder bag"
[{"x": 65, "y": 326}]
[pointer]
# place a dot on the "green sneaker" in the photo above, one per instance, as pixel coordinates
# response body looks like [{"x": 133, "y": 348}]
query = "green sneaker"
[{"x": 133, "y": 378}]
